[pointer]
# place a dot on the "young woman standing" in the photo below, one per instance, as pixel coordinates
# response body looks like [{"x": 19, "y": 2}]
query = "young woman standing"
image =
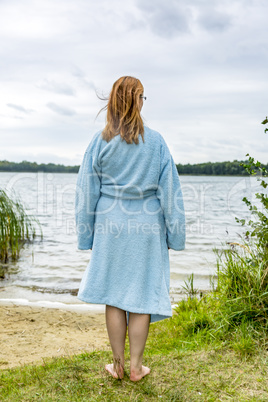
[{"x": 129, "y": 211}]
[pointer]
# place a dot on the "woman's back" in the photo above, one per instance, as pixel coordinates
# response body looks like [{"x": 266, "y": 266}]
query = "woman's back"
[{"x": 128, "y": 171}]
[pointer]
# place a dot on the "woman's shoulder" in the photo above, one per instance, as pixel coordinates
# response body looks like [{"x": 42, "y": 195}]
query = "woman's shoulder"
[
  {"x": 155, "y": 134},
  {"x": 94, "y": 142}
]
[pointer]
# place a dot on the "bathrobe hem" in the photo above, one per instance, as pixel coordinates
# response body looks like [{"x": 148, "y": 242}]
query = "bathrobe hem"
[{"x": 155, "y": 316}]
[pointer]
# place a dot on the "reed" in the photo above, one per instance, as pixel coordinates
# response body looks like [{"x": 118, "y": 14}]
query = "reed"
[
  {"x": 189, "y": 287},
  {"x": 243, "y": 284},
  {"x": 16, "y": 227}
]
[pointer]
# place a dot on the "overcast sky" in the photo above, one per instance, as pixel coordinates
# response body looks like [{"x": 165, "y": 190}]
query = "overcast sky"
[{"x": 203, "y": 64}]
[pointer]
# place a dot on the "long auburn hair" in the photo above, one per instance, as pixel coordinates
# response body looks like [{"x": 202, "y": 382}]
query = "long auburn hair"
[{"x": 123, "y": 111}]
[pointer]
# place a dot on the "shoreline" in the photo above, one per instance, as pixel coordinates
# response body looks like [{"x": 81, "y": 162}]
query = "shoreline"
[
  {"x": 81, "y": 307},
  {"x": 75, "y": 307},
  {"x": 33, "y": 333}
]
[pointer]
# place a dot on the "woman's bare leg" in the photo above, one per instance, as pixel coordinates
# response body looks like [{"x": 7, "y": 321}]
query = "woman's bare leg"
[
  {"x": 138, "y": 329},
  {"x": 116, "y": 323}
]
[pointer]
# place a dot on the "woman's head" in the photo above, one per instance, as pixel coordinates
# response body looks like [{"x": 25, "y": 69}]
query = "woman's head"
[{"x": 123, "y": 110}]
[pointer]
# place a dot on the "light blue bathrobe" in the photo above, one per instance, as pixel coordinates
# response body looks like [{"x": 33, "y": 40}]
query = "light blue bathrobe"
[{"x": 129, "y": 210}]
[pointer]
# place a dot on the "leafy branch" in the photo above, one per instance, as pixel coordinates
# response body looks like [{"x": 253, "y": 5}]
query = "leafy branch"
[{"x": 258, "y": 227}]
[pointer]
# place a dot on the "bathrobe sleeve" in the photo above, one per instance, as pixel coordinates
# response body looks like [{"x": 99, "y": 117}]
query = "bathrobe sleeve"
[
  {"x": 86, "y": 198},
  {"x": 171, "y": 199}
]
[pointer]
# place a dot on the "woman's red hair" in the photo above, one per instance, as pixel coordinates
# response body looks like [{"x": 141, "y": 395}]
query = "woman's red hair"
[{"x": 123, "y": 111}]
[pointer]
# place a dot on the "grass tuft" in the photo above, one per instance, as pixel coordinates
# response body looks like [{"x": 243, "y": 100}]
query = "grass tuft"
[{"x": 16, "y": 227}]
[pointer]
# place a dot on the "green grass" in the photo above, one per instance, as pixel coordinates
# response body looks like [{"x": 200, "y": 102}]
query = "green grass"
[{"x": 212, "y": 375}]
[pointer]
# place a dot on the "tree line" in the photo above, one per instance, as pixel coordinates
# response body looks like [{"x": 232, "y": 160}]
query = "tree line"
[
  {"x": 25, "y": 166},
  {"x": 234, "y": 168}
]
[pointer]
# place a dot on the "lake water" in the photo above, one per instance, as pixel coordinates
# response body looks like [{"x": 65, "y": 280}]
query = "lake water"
[{"x": 48, "y": 272}]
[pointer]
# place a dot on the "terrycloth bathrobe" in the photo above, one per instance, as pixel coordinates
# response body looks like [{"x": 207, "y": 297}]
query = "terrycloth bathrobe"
[{"x": 129, "y": 210}]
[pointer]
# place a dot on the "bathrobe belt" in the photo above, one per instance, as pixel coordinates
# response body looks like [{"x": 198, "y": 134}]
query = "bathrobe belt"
[{"x": 152, "y": 195}]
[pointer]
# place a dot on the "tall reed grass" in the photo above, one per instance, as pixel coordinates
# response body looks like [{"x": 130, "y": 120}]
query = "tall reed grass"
[
  {"x": 243, "y": 284},
  {"x": 16, "y": 227}
]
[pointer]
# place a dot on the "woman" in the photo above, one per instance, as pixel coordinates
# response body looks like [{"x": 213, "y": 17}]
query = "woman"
[{"x": 129, "y": 212}]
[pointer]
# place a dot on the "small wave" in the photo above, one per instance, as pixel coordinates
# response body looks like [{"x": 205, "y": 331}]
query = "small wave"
[{"x": 57, "y": 291}]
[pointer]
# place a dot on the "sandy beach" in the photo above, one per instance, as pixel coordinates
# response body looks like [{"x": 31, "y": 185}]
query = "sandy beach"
[{"x": 28, "y": 334}]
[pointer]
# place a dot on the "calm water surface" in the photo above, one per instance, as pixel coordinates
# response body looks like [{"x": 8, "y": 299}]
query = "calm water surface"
[{"x": 50, "y": 271}]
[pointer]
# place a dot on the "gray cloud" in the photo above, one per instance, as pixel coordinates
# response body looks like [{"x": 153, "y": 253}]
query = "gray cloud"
[
  {"x": 205, "y": 144},
  {"x": 20, "y": 108},
  {"x": 57, "y": 87},
  {"x": 165, "y": 19},
  {"x": 60, "y": 109},
  {"x": 213, "y": 20},
  {"x": 81, "y": 76}
]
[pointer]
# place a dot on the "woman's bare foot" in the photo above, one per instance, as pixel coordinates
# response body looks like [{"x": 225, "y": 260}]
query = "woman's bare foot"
[
  {"x": 137, "y": 375},
  {"x": 119, "y": 373}
]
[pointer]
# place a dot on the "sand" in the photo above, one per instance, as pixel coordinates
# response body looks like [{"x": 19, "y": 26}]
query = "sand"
[{"x": 28, "y": 334}]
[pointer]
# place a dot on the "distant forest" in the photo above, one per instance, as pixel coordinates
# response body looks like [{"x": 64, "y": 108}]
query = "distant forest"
[
  {"x": 215, "y": 168},
  {"x": 207, "y": 168},
  {"x": 26, "y": 166}
]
